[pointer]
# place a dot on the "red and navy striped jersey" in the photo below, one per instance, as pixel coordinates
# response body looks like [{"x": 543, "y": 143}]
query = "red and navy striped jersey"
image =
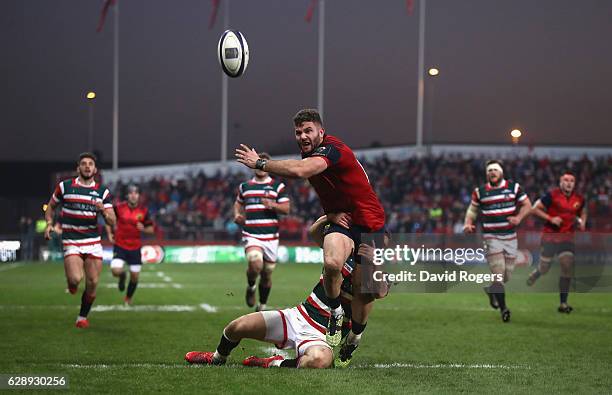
[
  {"x": 127, "y": 235},
  {"x": 344, "y": 186},
  {"x": 566, "y": 207}
]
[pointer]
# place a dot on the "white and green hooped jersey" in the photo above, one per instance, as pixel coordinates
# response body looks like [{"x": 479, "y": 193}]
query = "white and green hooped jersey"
[
  {"x": 261, "y": 223},
  {"x": 79, "y": 217}
]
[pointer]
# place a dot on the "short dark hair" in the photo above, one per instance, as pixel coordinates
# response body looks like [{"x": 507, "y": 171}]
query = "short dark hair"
[
  {"x": 264, "y": 155},
  {"x": 307, "y": 115},
  {"x": 569, "y": 172},
  {"x": 89, "y": 155},
  {"x": 492, "y": 161}
]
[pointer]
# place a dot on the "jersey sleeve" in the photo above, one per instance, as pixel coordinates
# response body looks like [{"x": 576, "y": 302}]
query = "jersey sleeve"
[
  {"x": 546, "y": 200},
  {"x": 281, "y": 191},
  {"x": 519, "y": 193},
  {"x": 476, "y": 197},
  {"x": 239, "y": 196},
  {"x": 58, "y": 193},
  {"x": 329, "y": 152},
  {"x": 147, "y": 221},
  {"x": 107, "y": 199}
]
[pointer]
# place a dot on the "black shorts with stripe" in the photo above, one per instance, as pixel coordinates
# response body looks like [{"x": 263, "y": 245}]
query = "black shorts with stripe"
[
  {"x": 131, "y": 257},
  {"x": 549, "y": 249},
  {"x": 359, "y": 234}
]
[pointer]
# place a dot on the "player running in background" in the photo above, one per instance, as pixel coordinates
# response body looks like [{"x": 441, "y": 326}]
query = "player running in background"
[
  {"x": 302, "y": 327},
  {"x": 561, "y": 208},
  {"x": 503, "y": 205},
  {"x": 82, "y": 199},
  {"x": 342, "y": 186},
  {"x": 132, "y": 220},
  {"x": 257, "y": 207}
]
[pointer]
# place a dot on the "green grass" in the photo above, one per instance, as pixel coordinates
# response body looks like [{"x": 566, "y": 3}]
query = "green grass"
[{"x": 443, "y": 342}]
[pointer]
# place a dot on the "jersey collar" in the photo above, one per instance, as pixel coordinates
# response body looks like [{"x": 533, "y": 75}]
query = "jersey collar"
[
  {"x": 503, "y": 184},
  {"x": 77, "y": 181},
  {"x": 267, "y": 180}
]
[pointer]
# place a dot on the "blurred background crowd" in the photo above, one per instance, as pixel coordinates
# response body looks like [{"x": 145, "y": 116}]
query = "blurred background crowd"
[{"x": 428, "y": 194}]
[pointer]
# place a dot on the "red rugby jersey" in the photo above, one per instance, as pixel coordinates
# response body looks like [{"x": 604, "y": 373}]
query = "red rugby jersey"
[
  {"x": 566, "y": 207},
  {"x": 127, "y": 234},
  {"x": 344, "y": 186}
]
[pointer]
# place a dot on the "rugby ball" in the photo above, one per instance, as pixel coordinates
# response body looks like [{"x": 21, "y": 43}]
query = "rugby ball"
[{"x": 233, "y": 53}]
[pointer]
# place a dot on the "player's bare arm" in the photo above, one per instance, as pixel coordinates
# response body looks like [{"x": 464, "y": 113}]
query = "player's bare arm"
[
  {"x": 148, "y": 229},
  {"x": 539, "y": 210},
  {"x": 107, "y": 213},
  {"x": 582, "y": 219},
  {"x": 524, "y": 211},
  {"x": 291, "y": 168},
  {"x": 239, "y": 217},
  {"x": 470, "y": 218},
  {"x": 280, "y": 208},
  {"x": 49, "y": 212},
  {"x": 110, "y": 234}
]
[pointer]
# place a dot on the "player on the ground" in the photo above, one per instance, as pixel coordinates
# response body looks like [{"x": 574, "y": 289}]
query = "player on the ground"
[
  {"x": 503, "y": 205},
  {"x": 257, "y": 207},
  {"x": 302, "y": 327},
  {"x": 343, "y": 187},
  {"x": 132, "y": 220},
  {"x": 561, "y": 208},
  {"x": 82, "y": 199}
]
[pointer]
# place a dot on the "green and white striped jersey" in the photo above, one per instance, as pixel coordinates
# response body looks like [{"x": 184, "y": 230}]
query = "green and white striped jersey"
[
  {"x": 79, "y": 217},
  {"x": 496, "y": 205},
  {"x": 261, "y": 223}
]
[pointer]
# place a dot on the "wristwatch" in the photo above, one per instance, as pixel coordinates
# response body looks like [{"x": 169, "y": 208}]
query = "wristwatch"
[{"x": 261, "y": 164}]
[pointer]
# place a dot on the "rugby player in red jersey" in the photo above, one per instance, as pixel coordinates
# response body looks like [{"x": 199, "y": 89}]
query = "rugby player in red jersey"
[
  {"x": 82, "y": 199},
  {"x": 132, "y": 220},
  {"x": 343, "y": 187},
  {"x": 562, "y": 209}
]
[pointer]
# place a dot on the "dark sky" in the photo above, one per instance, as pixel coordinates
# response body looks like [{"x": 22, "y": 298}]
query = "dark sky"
[{"x": 544, "y": 66}]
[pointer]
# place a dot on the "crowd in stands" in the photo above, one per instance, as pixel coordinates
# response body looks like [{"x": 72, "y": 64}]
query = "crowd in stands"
[{"x": 427, "y": 194}]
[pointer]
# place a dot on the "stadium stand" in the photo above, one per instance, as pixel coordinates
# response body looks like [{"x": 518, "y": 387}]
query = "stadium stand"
[{"x": 428, "y": 194}]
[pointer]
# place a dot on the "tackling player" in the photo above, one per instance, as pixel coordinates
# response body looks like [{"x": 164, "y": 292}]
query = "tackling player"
[
  {"x": 258, "y": 204},
  {"x": 503, "y": 205},
  {"x": 82, "y": 199},
  {"x": 132, "y": 220},
  {"x": 342, "y": 186},
  {"x": 301, "y": 328},
  {"x": 561, "y": 208}
]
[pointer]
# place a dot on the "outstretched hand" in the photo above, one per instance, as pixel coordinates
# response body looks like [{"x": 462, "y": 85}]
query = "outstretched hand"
[{"x": 247, "y": 156}]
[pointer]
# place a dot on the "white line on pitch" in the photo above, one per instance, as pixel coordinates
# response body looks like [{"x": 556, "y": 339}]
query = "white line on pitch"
[
  {"x": 151, "y": 285},
  {"x": 124, "y": 365},
  {"x": 208, "y": 308},
  {"x": 144, "y": 308},
  {"x": 443, "y": 366},
  {"x": 163, "y": 276}
]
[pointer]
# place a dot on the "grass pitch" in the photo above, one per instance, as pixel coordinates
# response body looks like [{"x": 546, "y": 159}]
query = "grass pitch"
[{"x": 413, "y": 343}]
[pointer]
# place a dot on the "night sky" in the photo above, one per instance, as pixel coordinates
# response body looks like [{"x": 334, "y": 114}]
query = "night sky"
[{"x": 543, "y": 66}]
